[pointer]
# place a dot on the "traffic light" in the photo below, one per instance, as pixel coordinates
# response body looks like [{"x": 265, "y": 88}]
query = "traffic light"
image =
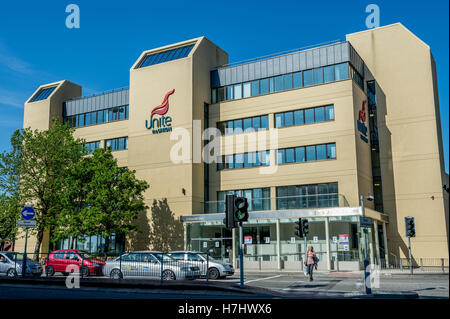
[
  {"x": 305, "y": 227},
  {"x": 410, "y": 227},
  {"x": 229, "y": 212},
  {"x": 298, "y": 228},
  {"x": 241, "y": 209}
]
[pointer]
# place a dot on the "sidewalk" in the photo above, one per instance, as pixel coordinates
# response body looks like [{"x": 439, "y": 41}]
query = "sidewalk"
[{"x": 334, "y": 273}]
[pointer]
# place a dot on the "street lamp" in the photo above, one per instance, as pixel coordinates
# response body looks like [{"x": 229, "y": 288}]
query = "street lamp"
[{"x": 366, "y": 261}]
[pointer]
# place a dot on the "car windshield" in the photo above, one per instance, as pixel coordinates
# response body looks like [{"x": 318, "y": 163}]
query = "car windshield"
[{"x": 85, "y": 254}]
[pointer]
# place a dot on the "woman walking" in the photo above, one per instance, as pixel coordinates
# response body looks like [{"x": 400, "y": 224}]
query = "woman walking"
[{"x": 310, "y": 254}]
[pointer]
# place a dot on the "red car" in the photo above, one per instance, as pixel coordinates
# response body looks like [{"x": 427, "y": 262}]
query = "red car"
[{"x": 59, "y": 260}]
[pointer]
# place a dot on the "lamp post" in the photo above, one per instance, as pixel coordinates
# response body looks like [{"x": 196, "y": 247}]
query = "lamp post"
[{"x": 366, "y": 261}]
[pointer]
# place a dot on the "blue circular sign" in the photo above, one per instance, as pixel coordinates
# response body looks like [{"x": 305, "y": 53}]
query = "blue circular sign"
[{"x": 28, "y": 213}]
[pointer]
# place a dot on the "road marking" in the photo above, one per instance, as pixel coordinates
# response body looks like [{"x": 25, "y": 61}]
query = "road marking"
[{"x": 246, "y": 282}]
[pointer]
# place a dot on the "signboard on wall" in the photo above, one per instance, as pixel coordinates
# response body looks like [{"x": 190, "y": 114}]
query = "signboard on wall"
[
  {"x": 292, "y": 240},
  {"x": 343, "y": 239},
  {"x": 267, "y": 240},
  {"x": 248, "y": 240},
  {"x": 335, "y": 239},
  {"x": 315, "y": 239}
]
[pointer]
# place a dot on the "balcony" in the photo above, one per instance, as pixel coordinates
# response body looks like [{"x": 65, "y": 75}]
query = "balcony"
[{"x": 283, "y": 203}]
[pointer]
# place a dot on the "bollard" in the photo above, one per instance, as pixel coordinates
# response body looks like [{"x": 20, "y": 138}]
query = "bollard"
[
  {"x": 421, "y": 264},
  {"x": 442, "y": 263},
  {"x": 162, "y": 264},
  {"x": 207, "y": 267}
]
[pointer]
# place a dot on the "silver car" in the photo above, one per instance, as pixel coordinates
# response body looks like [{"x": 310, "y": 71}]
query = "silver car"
[
  {"x": 150, "y": 265},
  {"x": 11, "y": 265},
  {"x": 217, "y": 269}
]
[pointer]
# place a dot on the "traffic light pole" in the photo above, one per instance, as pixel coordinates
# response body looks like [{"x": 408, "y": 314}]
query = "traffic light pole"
[
  {"x": 410, "y": 256},
  {"x": 241, "y": 255},
  {"x": 366, "y": 261}
]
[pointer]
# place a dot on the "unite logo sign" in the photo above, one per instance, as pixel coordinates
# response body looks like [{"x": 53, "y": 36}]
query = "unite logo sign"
[
  {"x": 163, "y": 123},
  {"x": 362, "y": 128}
]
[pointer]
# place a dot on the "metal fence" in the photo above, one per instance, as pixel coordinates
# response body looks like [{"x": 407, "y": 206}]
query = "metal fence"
[
  {"x": 418, "y": 265},
  {"x": 161, "y": 266}
]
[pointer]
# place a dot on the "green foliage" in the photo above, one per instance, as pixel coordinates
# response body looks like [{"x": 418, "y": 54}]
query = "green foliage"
[{"x": 166, "y": 232}]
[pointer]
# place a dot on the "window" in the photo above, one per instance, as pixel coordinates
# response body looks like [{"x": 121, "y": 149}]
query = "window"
[
  {"x": 229, "y": 90},
  {"x": 244, "y": 125},
  {"x": 237, "y": 91},
  {"x": 92, "y": 146},
  {"x": 43, "y": 94},
  {"x": 307, "y": 78},
  {"x": 309, "y": 116},
  {"x": 328, "y": 74},
  {"x": 329, "y": 112},
  {"x": 307, "y": 196},
  {"x": 279, "y": 120},
  {"x": 255, "y": 88},
  {"x": 245, "y": 160},
  {"x": 331, "y": 150},
  {"x": 297, "y": 79},
  {"x": 213, "y": 96},
  {"x": 319, "y": 114},
  {"x": 169, "y": 55},
  {"x": 287, "y": 81},
  {"x": 246, "y": 89},
  {"x": 237, "y": 126},
  {"x": 341, "y": 71},
  {"x": 290, "y": 155},
  {"x": 300, "y": 154},
  {"x": 278, "y": 83},
  {"x": 321, "y": 151},
  {"x": 288, "y": 118},
  {"x": 256, "y": 123},
  {"x": 298, "y": 117},
  {"x": 117, "y": 144},
  {"x": 310, "y": 153},
  {"x": 281, "y": 156},
  {"x": 265, "y": 122},
  {"x": 221, "y": 94},
  {"x": 264, "y": 86},
  {"x": 258, "y": 198},
  {"x": 248, "y": 124},
  {"x": 318, "y": 76}
]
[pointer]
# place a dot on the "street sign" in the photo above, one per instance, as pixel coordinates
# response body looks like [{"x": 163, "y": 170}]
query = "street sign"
[
  {"x": 335, "y": 239},
  {"x": 365, "y": 222},
  {"x": 26, "y": 223},
  {"x": 292, "y": 240},
  {"x": 28, "y": 213},
  {"x": 248, "y": 240},
  {"x": 315, "y": 239},
  {"x": 343, "y": 239}
]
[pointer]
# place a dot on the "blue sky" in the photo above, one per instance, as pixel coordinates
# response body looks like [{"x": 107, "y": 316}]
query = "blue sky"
[{"x": 37, "y": 48}]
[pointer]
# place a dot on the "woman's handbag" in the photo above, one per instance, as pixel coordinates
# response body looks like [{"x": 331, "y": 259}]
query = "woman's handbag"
[{"x": 306, "y": 270}]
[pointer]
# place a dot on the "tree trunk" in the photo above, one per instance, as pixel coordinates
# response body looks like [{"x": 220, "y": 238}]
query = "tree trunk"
[
  {"x": 106, "y": 244},
  {"x": 37, "y": 247}
]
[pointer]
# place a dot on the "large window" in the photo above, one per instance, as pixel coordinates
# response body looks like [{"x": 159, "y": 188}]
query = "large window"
[
  {"x": 98, "y": 117},
  {"x": 308, "y": 196},
  {"x": 43, "y": 94},
  {"x": 306, "y": 153},
  {"x": 165, "y": 56},
  {"x": 117, "y": 144},
  {"x": 258, "y": 198},
  {"x": 249, "y": 124},
  {"x": 327, "y": 74},
  {"x": 304, "y": 116},
  {"x": 92, "y": 146},
  {"x": 244, "y": 160}
]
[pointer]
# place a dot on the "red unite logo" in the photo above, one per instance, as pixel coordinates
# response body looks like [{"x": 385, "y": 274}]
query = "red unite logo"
[
  {"x": 164, "y": 107},
  {"x": 362, "y": 113}
]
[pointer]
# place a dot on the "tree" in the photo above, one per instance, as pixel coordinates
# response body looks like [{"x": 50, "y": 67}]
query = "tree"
[
  {"x": 166, "y": 232},
  {"x": 10, "y": 201},
  {"x": 46, "y": 158},
  {"x": 104, "y": 199}
]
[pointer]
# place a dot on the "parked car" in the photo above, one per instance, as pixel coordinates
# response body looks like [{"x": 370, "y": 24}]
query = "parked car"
[
  {"x": 11, "y": 265},
  {"x": 150, "y": 264},
  {"x": 217, "y": 269},
  {"x": 59, "y": 260}
]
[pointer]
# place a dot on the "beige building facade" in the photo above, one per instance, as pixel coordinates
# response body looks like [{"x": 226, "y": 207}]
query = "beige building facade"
[{"x": 303, "y": 134}]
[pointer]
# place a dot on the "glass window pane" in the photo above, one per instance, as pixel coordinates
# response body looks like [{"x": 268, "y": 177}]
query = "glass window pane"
[
  {"x": 88, "y": 119},
  {"x": 321, "y": 152},
  {"x": 307, "y": 78},
  {"x": 259, "y": 160},
  {"x": 239, "y": 161},
  {"x": 288, "y": 118},
  {"x": 237, "y": 91},
  {"x": 229, "y": 161},
  {"x": 287, "y": 81},
  {"x": 318, "y": 76},
  {"x": 247, "y": 89},
  {"x": 237, "y": 126},
  {"x": 299, "y": 154},
  {"x": 297, "y": 79},
  {"x": 229, "y": 127},
  {"x": 309, "y": 116},
  {"x": 122, "y": 113},
  {"x": 310, "y": 153},
  {"x": 281, "y": 198},
  {"x": 290, "y": 155},
  {"x": 115, "y": 113},
  {"x": 319, "y": 113},
  {"x": 229, "y": 92},
  {"x": 331, "y": 150},
  {"x": 329, "y": 113},
  {"x": 213, "y": 96},
  {"x": 280, "y": 156},
  {"x": 341, "y": 71},
  {"x": 256, "y": 123},
  {"x": 247, "y": 160},
  {"x": 328, "y": 74},
  {"x": 265, "y": 122},
  {"x": 264, "y": 85},
  {"x": 121, "y": 145},
  {"x": 221, "y": 94},
  {"x": 271, "y": 85},
  {"x": 279, "y": 120},
  {"x": 255, "y": 88},
  {"x": 100, "y": 117},
  {"x": 248, "y": 125},
  {"x": 80, "y": 120},
  {"x": 278, "y": 83},
  {"x": 298, "y": 117}
]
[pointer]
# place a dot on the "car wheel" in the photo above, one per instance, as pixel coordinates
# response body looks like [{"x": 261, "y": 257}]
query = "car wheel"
[
  {"x": 115, "y": 274},
  {"x": 49, "y": 271},
  {"x": 214, "y": 273},
  {"x": 168, "y": 275},
  {"x": 11, "y": 273}
]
